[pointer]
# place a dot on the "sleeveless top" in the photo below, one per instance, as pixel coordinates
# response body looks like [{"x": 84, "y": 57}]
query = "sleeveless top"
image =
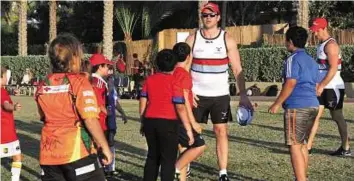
[
  {"x": 322, "y": 60},
  {"x": 209, "y": 68}
]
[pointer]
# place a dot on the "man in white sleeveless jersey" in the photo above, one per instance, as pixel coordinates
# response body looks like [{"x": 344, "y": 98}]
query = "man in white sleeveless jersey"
[
  {"x": 330, "y": 90},
  {"x": 213, "y": 49}
]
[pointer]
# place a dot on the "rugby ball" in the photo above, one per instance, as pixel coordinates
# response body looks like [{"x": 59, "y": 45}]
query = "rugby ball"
[{"x": 244, "y": 116}]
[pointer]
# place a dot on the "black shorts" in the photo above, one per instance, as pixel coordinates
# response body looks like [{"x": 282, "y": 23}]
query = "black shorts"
[
  {"x": 183, "y": 138},
  {"x": 85, "y": 169},
  {"x": 332, "y": 98},
  {"x": 217, "y": 107}
]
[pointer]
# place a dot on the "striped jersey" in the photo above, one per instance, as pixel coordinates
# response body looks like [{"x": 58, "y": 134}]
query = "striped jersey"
[
  {"x": 210, "y": 65},
  {"x": 323, "y": 67}
]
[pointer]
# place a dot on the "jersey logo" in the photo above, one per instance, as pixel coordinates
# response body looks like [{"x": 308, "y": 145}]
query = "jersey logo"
[
  {"x": 208, "y": 41},
  {"x": 218, "y": 49}
]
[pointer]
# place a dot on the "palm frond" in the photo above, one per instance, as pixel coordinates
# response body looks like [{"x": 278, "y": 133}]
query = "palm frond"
[{"x": 127, "y": 19}]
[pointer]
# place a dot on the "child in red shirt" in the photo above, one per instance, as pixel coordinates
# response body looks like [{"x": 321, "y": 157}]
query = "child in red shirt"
[
  {"x": 160, "y": 103},
  {"x": 10, "y": 145},
  {"x": 188, "y": 153},
  {"x": 100, "y": 70}
]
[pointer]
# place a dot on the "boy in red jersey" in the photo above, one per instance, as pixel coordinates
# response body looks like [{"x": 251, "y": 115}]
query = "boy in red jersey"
[
  {"x": 184, "y": 82},
  {"x": 10, "y": 145},
  {"x": 160, "y": 103},
  {"x": 100, "y": 70}
]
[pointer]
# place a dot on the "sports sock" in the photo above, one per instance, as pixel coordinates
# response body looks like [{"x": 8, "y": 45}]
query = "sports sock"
[{"x": 16, "y": 171}]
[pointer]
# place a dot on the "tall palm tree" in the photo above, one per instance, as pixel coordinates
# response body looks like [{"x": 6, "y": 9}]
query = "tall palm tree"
[
  {"x": 127, "y": 20},
  {"x": 302, "y": 17},
  {"x": 22, "y": 28},
  {"x": 52, "y": 20},
  {"x": 108, "y": 28},
  {"x": 223, "y": 14},
  {"x": 200, "y": 7}
]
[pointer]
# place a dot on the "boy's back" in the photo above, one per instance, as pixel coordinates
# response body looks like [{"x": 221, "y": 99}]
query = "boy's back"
[
  {"x": 161, "y": 94},
  {"x": 301, "y": 66}
]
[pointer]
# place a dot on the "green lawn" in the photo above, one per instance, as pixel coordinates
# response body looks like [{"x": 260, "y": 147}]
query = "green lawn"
[{"x": 256, "y": 152}]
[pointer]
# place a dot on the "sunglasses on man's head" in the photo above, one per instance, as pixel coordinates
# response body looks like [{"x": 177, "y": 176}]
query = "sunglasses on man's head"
[{"x": 212, "y": 15}]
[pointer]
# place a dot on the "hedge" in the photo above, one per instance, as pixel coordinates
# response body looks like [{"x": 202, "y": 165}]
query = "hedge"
[
  {"x": 259, "y": 64},
  {"x": 39, "y": 65}
]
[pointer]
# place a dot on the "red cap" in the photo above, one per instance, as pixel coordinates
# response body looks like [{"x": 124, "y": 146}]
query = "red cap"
[
  {"x": 318, "y": 23},
  {"x": 212, "y": 7},
  {"x": 98, "y": 59}
]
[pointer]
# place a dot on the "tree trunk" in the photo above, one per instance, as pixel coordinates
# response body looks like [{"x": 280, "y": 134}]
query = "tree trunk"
[
  {"x": 22, "y": 28},
  {"x": 223, "y": 14},
  {"x": 200, "y": 7},
  {"x": 108, "y": 29},
  {"x": 302, "y": 17},
  {"x": 52, "y": 20}
]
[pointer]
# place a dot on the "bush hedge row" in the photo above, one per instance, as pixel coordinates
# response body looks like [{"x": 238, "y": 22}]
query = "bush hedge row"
[{"x": 259, "y": 64}]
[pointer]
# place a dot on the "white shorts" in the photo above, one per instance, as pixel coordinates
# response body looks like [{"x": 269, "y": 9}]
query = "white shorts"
[{"x": 10, "y": 149}]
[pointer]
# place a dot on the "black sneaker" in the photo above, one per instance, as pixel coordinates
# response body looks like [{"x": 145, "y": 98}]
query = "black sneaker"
[
  {"x": 341, "y": 152},
  {"x": 177, "y": 176},
  {"x": 224, "y": 177},
  {"x": 310, "y": 151}
]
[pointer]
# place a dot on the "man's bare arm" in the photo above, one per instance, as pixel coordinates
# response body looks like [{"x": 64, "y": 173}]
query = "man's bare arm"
[
  {"x": 235, "y": 61},
  {"x": 332, "y": 51}
]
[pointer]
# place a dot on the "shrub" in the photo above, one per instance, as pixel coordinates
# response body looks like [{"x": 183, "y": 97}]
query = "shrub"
[{"x": 259, "y": 64}]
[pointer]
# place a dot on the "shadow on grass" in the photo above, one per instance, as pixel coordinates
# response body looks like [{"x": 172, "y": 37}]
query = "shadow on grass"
[
  {"x": 6, "y": 163},
  {"x": 282, "y": 129},
  {"x": 214, "y": 172},
  {"x": 330, "y": 119}
]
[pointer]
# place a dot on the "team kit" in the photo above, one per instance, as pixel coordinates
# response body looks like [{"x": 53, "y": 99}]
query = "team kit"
[{"x": 77, "y": 138}]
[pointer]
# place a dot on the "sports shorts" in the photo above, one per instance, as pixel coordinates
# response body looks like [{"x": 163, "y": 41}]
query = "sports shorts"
[
  {"x": 332, "y": 98},
  {"x": 85, "y": 169},
  {"x": 10, "y": 149},
  {"x": 217, "y": 107},
  {"x": 183, "y": 138},
  {"x": 298, "y": 124}
]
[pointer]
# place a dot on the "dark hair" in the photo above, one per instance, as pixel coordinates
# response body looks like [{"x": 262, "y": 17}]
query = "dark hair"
[
  {"x": 298, "y": 35},
  {"x": 62, "y": 51},
  {"x": 3, "y": 70},
  {"x": 182, "y": 50},
  {"x": 135, "y": 55},
  {"x": 86, "y": 66},
  {"x": 166, "y": 60},
  {"x": 95, "y": 68}
]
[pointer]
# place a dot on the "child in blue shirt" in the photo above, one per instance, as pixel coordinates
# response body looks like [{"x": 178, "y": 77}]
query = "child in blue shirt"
[
  {"x": 112, "y": 104},
  {"x": 298, "y": 98}
]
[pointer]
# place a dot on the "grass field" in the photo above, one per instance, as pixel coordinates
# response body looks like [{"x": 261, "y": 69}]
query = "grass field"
[{"x": 256, "y": 152}]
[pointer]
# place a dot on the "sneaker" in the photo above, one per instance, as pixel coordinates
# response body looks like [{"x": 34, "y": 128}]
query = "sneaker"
[
  {"x": 177, "y": 176},
  {"x": 341, "y": 152},
  {"x": 224, "y": 177},
  {"x": 310, "y": 151}
]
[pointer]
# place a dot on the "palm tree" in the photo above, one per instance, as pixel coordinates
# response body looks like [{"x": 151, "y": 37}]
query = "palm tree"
[
  {"x": 52, "y": 20},
  {"x": 108, "y": 29},
  {"x": 22, "y": 28},
  {"x": 200, "y": 7},
  {"x": 127, "y": 20},
  {"x": 302, "y": 17},
  {"x": 223, "y": 14}
]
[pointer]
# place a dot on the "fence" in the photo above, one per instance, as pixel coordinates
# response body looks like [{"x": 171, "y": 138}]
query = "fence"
[
  {"x": 343, "y": 37},
  {"x": 244, "y": 35}
]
